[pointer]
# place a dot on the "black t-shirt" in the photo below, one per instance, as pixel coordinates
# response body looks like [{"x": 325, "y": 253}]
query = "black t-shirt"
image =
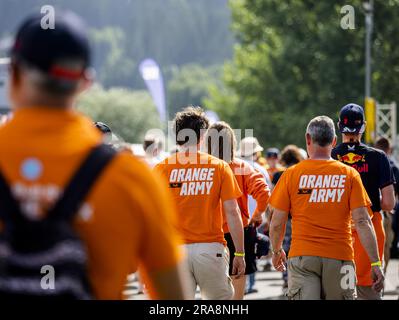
[
  {"x": 276, "y": 177},
  {"x": 373, "y": 166}
]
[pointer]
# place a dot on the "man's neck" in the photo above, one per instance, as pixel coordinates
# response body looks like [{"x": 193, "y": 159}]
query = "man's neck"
[
  {"x": 351, "y": 138},
  {"x": 317, "y": 156},
  {"x": 320, "y": 154},
  {"x": 34, "y": 101}
]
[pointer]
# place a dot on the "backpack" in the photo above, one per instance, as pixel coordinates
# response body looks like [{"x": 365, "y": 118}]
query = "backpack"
[{"x": 31, "y": 248}]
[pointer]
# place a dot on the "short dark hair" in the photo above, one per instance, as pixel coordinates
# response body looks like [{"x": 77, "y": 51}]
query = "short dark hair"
[
  {"x": 193, "y": 118},
  {"x": 383, "y": 144},
  {"x": 291, "y": 155}
]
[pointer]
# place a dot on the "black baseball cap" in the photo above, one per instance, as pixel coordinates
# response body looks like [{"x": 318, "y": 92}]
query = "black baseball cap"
[
  {"x": 351, "y": 119},
  {"x": 46, "y": 49}
]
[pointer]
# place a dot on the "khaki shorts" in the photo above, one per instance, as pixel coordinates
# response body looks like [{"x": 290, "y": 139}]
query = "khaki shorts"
[
  {"x": 317, "y": 278},
  {"x": 208, "y": 266}
]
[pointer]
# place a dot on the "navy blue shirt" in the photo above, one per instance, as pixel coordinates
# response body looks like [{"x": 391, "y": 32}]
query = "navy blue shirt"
[{"x": 373, "y": 166}]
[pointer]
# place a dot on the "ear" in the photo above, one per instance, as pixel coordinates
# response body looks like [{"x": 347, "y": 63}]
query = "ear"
[
  {"x": 85, "y": 84},
  {"x": 87, "y": 80},
  {"x": 334, "y": 143},
  {"x": 308, "y": 139}
]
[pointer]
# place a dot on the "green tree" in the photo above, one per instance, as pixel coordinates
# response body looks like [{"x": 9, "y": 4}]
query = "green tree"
[
  {"x": 114, "y": 67},
  {"x": 129, "y": 113},
  {"x": 124, "y": 32},
  {"x": 189, "y": 85},
  {"x": 293, "y": 61}
]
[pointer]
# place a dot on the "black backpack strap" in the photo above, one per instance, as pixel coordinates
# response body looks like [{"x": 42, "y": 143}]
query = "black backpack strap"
[
  {"x": 9, "y": 207},
  {"x": 82, "y": 181}
]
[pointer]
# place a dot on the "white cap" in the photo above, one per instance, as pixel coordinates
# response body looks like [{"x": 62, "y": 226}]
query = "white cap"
[{"x": 249, "y": 146}]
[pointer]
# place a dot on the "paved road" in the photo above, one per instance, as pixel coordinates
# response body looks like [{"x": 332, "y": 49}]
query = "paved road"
[{"x": 269, "y": 285}]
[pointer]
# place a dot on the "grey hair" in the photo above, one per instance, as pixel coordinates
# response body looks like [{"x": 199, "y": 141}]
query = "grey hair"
[{"x": 321, "y": 130}]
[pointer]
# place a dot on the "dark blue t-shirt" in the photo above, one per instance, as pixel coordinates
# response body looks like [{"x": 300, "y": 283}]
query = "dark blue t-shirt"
[{"x": 373, "y": 166}]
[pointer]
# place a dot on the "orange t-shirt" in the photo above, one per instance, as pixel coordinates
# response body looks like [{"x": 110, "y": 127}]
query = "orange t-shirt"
[
  {"x": 199, "y": 182},
  {"x": 251, "y": 182},
  {"x": 362, "y": 260},
  {"x": 320, "y": 195},
  {"x": 127, "y": 214}
]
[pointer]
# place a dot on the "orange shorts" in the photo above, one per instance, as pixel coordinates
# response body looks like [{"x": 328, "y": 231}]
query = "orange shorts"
[{"x": 362, "y": 261}]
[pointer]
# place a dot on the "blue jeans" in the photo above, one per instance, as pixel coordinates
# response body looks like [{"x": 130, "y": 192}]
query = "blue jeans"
[{"x": 250, "y": 281}]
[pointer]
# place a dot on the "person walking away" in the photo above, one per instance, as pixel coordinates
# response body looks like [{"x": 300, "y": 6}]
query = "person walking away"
[
  {"x": 66, "y": 200},
  {"x": 377, "y": 177},
  {"x": 201, "y": 184},
  {"x": 322, "y": 196},
  {"x": 221, "y": 143}
]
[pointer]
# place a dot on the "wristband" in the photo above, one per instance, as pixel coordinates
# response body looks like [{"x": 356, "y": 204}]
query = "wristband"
[
  {"x": 376, "y": 264},
  {"x": 239, "y": 254}
]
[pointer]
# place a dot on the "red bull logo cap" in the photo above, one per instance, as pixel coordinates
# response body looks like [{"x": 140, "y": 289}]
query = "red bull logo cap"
[{"x": 351, "y": 119}]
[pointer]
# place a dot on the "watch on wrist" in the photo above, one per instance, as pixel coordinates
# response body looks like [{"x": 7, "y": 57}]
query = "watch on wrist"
[{"x": 275, "y": 252}]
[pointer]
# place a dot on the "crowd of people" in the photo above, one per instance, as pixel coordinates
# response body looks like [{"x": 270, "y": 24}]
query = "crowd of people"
[{"x": 199, "y": 216}]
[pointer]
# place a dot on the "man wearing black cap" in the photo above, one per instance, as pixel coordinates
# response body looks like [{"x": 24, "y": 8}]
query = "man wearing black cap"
[
  {"x": 377, "y": 177},
  {"x": 65, "y": 198}
]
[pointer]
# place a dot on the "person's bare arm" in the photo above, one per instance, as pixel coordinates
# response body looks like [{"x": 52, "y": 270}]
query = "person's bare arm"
[
  {"x": 366, "y": 233},
  {"x": 234, "y": 222},
  {"x": 169, "y": 284},
  {"x": 365, "y": 230},
  {"x": 388, "y": 198},
  {"x": 277, "y": 232},
  {"x": 260, "y": 192},
  {"x": 268, "y": 218},
  {"x": 277, "y": 228}
]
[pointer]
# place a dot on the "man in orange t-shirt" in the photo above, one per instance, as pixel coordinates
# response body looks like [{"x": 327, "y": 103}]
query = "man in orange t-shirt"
[
  {"x": 322, "y": 196},
  {"x": 127, "y": 215},
  {"x": 200, "y": 183},
  {"x": 221, "y": 143}
]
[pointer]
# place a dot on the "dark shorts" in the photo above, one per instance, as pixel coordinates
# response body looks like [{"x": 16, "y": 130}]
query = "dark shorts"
[{"x": 249, "y": 246}]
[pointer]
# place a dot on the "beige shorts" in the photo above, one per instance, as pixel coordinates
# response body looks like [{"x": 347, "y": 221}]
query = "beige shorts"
[
  {"x": 317, "y": 278},
  {"x": 208, "y": 266}
]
